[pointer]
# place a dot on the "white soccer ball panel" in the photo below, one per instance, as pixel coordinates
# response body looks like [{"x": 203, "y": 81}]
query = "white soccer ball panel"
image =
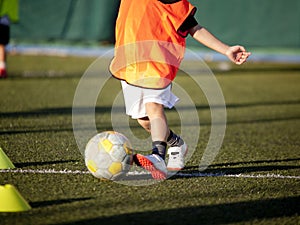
[{"x": 108, "y": 155}]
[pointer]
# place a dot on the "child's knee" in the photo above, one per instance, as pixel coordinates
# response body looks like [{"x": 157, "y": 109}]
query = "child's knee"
[{"x": 154, "y": 108}]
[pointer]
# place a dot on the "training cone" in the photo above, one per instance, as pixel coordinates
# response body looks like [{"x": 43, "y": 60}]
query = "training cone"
[
  {"x": 12, "y": 200},
  {"x": 5, "y": 162}
]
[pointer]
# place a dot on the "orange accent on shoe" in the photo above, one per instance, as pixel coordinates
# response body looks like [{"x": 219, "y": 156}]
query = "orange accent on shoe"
[
  {"x": 142, "y": 161},
  {"x": 174, "y": 169}
]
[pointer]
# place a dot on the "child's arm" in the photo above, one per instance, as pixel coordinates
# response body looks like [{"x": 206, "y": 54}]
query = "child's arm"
[{"x": 236, "y": 54}]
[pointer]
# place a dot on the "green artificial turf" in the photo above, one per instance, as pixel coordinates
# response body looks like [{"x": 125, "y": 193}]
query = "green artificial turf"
[{"x": 261, "y": 144}]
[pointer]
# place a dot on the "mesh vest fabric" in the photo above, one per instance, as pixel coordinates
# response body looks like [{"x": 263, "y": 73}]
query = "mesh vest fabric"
[{"x": 149, "y": 48}]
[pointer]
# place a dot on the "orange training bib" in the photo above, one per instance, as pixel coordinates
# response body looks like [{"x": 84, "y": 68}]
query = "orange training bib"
[{"x": 149, "y": 48}]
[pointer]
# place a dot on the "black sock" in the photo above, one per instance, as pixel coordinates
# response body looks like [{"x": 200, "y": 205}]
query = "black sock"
[
  {"x": 159, "y": 148},
  {"x": 174, "y": 140}
]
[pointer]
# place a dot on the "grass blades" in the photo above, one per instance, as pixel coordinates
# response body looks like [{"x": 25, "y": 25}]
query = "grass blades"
[{"x": 253, "y": 180}]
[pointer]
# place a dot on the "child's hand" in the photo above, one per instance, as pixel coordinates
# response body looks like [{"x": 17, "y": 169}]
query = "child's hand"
[{"x": 237, "y": 54}]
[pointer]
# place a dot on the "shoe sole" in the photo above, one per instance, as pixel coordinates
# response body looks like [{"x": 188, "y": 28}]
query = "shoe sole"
[
  {"x": 142, "y": 161},
  {"x": 174, "y": 169}
]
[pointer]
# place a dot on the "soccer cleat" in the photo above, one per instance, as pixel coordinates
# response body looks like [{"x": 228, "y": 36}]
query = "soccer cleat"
[
  {"x": 3, "y": 73},
  {"x": 154, "y": 164},
  {"x": 176, "y": 157}
]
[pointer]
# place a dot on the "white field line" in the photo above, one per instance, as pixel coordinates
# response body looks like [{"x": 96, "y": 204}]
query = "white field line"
[
  {"x": 66, "y": 171},
  {"x": 237, "y": 175},
  {"x": 45, "y": 171}
]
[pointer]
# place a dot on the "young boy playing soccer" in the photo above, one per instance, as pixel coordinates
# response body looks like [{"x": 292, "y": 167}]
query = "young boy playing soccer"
[{"x": 150, "y": 44}]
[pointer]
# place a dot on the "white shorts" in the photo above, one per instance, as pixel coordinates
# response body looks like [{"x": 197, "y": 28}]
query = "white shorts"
[{"x": 136, "y": 98}]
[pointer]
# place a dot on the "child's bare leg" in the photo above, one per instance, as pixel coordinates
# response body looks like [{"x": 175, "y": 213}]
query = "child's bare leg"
[
  {"x": 2, "y": 53},
  {"x": 158, "y": 127},
  {"x": 2, "y": 62},
  {"x": 158, "y": 121},
  {"x": 172, "y": 138},
  {"x": 156, "y": 124}
]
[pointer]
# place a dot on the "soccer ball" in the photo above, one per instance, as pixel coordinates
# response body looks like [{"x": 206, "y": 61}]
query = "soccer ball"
[{"x": 108, "y": 155}]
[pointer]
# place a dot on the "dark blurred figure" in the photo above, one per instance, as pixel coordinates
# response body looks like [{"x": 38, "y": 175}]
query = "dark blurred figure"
[{"x": 8, "y": 13}]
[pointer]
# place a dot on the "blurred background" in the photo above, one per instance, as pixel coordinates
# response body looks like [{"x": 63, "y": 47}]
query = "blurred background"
[{"x": 268, "y": 26}]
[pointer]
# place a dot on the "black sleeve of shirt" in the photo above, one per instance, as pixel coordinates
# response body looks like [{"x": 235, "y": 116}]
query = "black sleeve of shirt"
[
  {"x": 189, "y": 23},
  {"x": 169, "y": 1}
]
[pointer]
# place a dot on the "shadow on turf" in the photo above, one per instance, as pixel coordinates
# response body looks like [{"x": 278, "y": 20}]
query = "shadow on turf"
[
  {"x": 258, "y": 70},
  {"x": 56, "y": 111},
  {"x": 206, "y": 214},
  {"x": 256, "y": 162},
  {"x": 99, "y": 110},
  {"x": 56, "y": 202},
  {"x": 85, "y": 110},
  {"x": 28, "y": 164},
  {"x": 235, "y": 169}
]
